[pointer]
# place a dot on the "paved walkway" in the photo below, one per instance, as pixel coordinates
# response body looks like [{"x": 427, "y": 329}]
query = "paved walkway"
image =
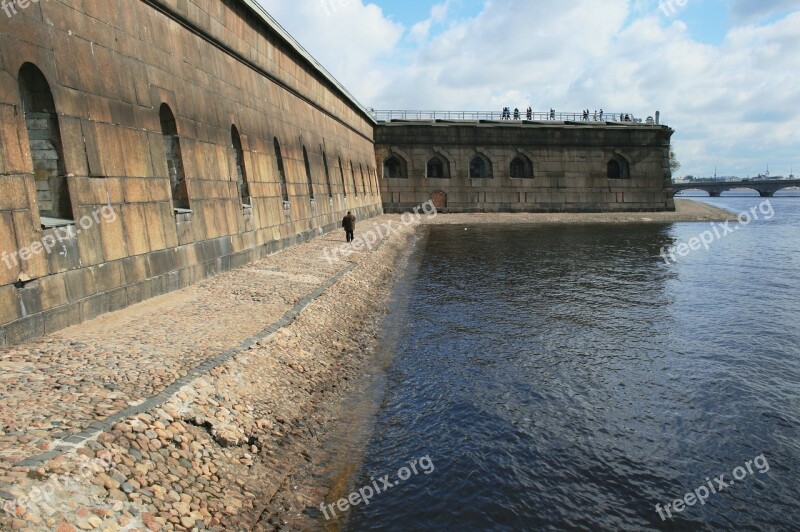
[{"x": 61, "y": 388}]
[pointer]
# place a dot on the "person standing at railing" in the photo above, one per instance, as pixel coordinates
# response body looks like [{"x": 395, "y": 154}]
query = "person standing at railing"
[
  {"x": 516, "y": 113},
  {"x": 601, "y": 114},
  {"x": 529, "y": 114}
]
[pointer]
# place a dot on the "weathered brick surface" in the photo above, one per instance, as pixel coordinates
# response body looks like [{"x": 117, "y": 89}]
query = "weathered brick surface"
[{"x": 110, "y": 66}]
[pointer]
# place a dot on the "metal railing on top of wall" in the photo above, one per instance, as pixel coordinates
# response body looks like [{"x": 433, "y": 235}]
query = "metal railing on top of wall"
[{"x": 386, "y": 115}]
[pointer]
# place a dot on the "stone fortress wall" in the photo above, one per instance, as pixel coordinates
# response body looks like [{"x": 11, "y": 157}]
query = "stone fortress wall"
[
  {"x": 524, "y": 166},
  {"x": 147, "y": 144}
]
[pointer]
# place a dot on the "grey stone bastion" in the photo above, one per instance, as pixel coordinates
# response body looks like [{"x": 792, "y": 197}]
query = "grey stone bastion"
[{"x": 522, "y": 166}]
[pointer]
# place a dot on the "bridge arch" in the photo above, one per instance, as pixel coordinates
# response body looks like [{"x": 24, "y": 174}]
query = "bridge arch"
[
  {"x": 750, "y": 188},
  {"x": 677, "y": 192}
]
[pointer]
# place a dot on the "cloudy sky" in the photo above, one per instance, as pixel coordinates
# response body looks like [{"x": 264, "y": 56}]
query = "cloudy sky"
[{"x": 724, "y": 74}]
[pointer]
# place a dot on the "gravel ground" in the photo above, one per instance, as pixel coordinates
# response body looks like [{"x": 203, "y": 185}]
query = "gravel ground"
[{"x": 216, "y": 453}]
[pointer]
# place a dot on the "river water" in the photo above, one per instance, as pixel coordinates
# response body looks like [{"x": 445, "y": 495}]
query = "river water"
[{"x": 572, "y": 377}]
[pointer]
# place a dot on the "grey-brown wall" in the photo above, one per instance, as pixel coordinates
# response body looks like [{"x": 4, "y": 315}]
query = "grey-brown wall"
[
  {"x": 569, "y": 166},
  {"x": 110, "y": 65}
]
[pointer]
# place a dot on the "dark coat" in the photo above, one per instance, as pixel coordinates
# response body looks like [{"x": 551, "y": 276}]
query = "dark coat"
[{"x": 349, "y": 222}]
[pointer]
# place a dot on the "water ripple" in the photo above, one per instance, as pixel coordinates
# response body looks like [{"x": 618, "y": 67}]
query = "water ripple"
[{"x": 567, "y": 378}]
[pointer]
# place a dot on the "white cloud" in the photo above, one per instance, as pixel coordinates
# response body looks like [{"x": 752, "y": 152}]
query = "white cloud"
[
  {"x": 350, "y": 39},
  {"x": 532, "y": 51},
  {"x": 756, "y": 9},
  {"x": 421, "y": 30},
  {"x": 734, "y": 104}
]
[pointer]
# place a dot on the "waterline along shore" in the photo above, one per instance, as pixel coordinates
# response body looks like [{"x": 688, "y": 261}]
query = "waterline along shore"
[
  {"x": 686, "y": 210},
  {"x": 193, "y": 409}
]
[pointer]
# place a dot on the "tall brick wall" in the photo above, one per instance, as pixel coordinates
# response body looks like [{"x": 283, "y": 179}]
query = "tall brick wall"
[
  {"x": 110, "y": 65},
  {"x": 569, "y": 164}
]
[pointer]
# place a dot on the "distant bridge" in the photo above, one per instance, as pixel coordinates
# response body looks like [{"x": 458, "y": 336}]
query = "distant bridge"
[{"x": 765, "y": 188}]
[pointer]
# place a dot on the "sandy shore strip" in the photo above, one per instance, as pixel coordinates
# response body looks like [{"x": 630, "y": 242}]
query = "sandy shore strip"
[{"x": 686, "y": 210}]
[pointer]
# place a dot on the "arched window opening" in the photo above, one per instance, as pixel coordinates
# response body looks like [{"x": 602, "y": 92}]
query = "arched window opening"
[
  {"x": 341, "y": 173},
  {"x": 353, "y": 175},
  {"x": 613, "y": 170},
  {"x": 327, "y": 174},
  {"x": 308, "y": 175},
  {"x": 44, "y": 136},
  {"x": 521, "y": 168},
  {"x": 480, "y": 167},
  {"x": 393, "y": 168},
  {"x": 172, "y": 148},
  {"x": 618, "y": 168},
  {"x": 369, "y": 180},
  {"x": 363, "y": 182},
  {"x": 435, "y": 168},
  {"x": 281, "y": 171},
  {"x": 241, "y": 172}
]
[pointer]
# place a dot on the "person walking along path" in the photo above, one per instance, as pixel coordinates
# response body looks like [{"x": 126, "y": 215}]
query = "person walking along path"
[{"x": 349, "y": 225}]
